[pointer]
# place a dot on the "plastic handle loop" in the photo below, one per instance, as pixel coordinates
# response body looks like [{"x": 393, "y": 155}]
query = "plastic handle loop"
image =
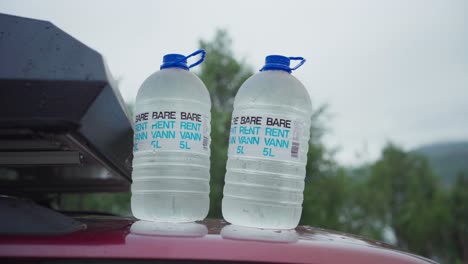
[
  {"x": 302, "y": 61},
  {"x": 184, "y": 59},
  {"x": 202, "y": 58}
]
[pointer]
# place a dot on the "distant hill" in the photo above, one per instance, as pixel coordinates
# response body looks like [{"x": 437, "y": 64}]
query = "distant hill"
[{"x": 447, "y": 159}]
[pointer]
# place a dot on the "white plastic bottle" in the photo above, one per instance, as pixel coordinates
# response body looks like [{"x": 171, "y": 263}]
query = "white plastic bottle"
[
  {"x": 268, "y": 146},
  {"x": 171, "y": 161}
]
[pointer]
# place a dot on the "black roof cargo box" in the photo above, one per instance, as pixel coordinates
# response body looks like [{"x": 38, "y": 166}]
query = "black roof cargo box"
[{"x": 63, "y": 124}]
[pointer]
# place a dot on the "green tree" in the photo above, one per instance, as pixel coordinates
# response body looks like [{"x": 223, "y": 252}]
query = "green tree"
[
  {"x": 99, "y": 203},
  {"x": 328, "y": 188},
  {"x": 326, "y": 199},
  {"x": 403, "y": 194},
  {"x": 459, "y": 210},
  {"x": 222, "y": 74}
]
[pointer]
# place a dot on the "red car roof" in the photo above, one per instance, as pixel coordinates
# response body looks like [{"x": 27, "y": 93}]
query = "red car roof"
[{"x": 123, "y": 238}]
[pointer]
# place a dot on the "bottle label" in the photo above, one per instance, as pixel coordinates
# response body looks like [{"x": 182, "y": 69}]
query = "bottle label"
[
  {"x": 171, "y": 131},
  {"x": 272, "y": 137}
]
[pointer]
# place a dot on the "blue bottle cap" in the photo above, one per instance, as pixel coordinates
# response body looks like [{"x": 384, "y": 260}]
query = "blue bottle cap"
[
  {"x": 180, "y": 61},
  {"x": 174, "y": 61},
  {"x": 278, "y": 62}
]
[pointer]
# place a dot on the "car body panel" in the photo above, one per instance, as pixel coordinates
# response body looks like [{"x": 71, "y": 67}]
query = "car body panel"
[{"x": 125, "y": 238}]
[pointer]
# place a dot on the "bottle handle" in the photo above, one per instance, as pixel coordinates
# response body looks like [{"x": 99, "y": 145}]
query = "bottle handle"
[
  {"x": 302, "y": 61},
  {"x": 202, "y": 58}
]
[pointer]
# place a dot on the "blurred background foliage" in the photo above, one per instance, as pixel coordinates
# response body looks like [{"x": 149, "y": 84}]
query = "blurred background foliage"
[{"x": 416, "y": 199}]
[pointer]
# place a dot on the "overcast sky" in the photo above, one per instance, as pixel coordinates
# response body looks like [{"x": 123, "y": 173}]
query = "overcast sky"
[{"x": 390, "y": 70}]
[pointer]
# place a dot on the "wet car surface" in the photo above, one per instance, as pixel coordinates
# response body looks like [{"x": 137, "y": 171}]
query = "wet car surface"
[{"x": 210, "y": 240}]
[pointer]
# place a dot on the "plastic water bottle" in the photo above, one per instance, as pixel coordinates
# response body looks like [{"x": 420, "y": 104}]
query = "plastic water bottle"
[
  {"x": 268, "y": 146},
  {"x": 172, "y": 144}
]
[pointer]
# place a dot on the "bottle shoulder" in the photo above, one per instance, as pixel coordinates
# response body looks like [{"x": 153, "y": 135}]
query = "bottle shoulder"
[
  {"x": 273, "y": 88},
  {"x": 173, "y": 83}
]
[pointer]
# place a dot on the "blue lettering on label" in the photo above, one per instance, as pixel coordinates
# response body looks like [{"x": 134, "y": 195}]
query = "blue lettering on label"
[
  {"x": 171, "y": 130},
  {"x": 246, "y": 130},
  {"x": 163, "y": 134},
  {"x": 274, "y": 142},
  {"x": 249, "y": 140},
  {"x": 141, "y": 136},
  {"x": 275, "y": 137},
  {"x": 190, "y": 135},
  {"x": 276, "y": 132},
  {"x": 163, "y": 124},
  {"x": 190, "y": 126},
  {"x": 155, "y": 144},
  {"x": 141, "y": 126}
]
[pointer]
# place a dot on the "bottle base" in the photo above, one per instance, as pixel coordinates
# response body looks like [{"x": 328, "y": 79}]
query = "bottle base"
[
  {"x": 248, "y": 213},
  {"x": 170, "y": 207}
]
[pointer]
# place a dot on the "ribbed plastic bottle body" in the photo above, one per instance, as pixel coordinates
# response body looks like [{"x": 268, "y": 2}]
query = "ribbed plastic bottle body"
[
  {"x": 268, "y": 147},
  {"x": 172, "y": 150}
]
